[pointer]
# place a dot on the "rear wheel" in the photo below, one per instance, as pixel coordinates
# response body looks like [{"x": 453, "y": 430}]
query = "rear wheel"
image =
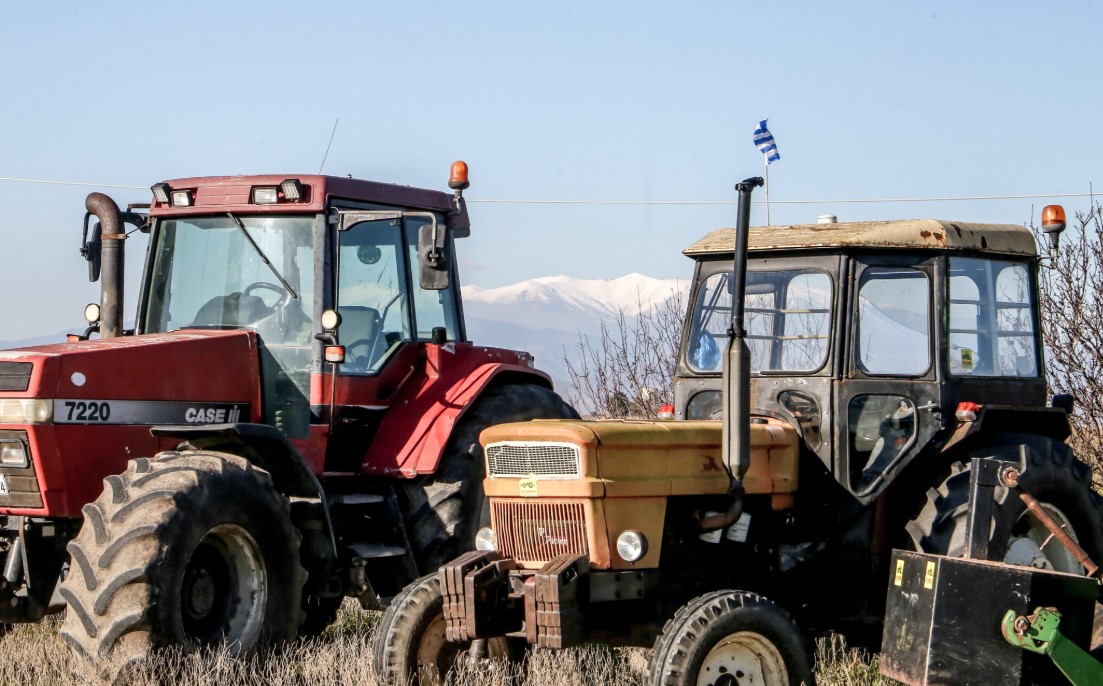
[
  {"x": 192, "y": 548},
  {"x": 730, "y": 638},
  {"x": 410, "y": 644},
  {"x": 1052, "y": 475},
  {"x": 445, "y": 509}
]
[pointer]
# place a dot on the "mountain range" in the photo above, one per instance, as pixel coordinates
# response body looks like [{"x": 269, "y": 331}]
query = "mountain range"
[{"x": 546, "y": 316}]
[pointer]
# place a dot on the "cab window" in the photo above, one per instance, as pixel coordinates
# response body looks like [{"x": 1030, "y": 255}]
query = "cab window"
[{"x": 991, "y": 319}]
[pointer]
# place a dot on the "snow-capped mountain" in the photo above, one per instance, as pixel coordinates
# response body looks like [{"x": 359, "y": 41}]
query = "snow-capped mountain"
[
  {"x": 547, "y": 316},
  {"x": 544, "y": 316}
]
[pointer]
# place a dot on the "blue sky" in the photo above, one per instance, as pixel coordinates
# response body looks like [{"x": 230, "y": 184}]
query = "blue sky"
[{"x": 613, "y": 101}]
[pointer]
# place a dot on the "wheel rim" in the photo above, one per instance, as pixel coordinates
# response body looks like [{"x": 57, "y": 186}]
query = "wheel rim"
[
  {"x": 1032, "y": 544},
  {"x": 436, "y": 656},
  {"x": 224, "y": 589},
  {"x": 744, "y": 657}
]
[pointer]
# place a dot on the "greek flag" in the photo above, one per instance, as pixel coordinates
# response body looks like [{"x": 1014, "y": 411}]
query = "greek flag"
[{"x": 765, "y": 142}]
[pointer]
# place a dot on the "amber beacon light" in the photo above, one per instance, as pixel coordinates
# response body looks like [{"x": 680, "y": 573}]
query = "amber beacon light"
[{"x": 458, "y": 179}]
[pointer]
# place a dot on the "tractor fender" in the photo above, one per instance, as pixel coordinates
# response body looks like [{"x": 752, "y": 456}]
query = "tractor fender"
[
  {"x": 423, "y": 428},
  {"x": 267, "y": 448},
  {"x": 1051, "y": 422}
]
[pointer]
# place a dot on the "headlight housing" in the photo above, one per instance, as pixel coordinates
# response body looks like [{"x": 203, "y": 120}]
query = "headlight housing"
[
  {"x": 13, "y": 454},
  {"x": 486, "y": 539},
  {"x": 631, "y": 545},
  {"x": 29, "y": 411}
]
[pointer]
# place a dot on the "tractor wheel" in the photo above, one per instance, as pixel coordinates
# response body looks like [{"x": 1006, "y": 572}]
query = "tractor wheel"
[
  {"x": 1049, "y": 472},
  {"x": 445, "y": 509},
  {"x": 191, "y": 548},
  {"x": 410, "y": 646},
  {"x": 728, "y": 638}
]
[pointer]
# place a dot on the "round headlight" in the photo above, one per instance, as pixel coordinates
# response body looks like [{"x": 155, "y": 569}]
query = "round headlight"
[
  {"x": 631, "y": 545},
  {"x": 331, "y": 320},
  {"x": 485, "y": 539},
  {"x": 92, "y": 313}
]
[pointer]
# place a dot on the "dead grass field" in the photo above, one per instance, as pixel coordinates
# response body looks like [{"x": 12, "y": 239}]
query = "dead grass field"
[{"x": 34, "y": 654}]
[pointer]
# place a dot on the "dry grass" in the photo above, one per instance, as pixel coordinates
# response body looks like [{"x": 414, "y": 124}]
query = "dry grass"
[{"x": 34, "y": 654}]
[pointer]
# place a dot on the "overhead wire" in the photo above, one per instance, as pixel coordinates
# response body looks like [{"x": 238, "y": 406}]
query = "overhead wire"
[{"x": 518, "y": 201}]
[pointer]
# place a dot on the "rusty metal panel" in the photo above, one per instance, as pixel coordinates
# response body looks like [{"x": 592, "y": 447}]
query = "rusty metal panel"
[
  {"x": 553, "y": 613},
  {"x": 907, "y": 233},
  {"x": 539, "y": 530}
]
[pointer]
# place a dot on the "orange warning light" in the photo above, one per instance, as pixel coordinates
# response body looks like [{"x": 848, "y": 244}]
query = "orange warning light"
[
  {"x": 1053, "y": 218},
  {"x": 458, "y": 179}
]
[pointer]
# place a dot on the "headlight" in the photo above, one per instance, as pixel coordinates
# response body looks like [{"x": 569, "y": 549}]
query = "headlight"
[
  {"x": 17, "y": 411},
  {"x": 485, "y": 539},
  {"x": 631, "y": 545},
  {"x": 13, "y": 454}
]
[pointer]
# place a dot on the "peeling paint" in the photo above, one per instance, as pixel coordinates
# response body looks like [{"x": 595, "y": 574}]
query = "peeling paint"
[{"x": 1007, "y": 239}]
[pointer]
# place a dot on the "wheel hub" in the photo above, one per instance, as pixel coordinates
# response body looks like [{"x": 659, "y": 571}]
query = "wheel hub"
[
  {"x": 1033, "y": 545},
  {"x": 225, "y": 589},
  {"x": 742, "y": 659},
  {"x": 199, "y": 597}
]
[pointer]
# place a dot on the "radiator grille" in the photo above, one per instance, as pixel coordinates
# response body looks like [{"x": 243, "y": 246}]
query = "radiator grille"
[
  {"x": 539, "y": 531},
  {"x": 545, "y": 460},
  {"x": 15, "y": 376}
]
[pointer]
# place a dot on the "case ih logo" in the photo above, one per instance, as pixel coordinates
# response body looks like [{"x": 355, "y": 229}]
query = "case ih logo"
[{"x": 212, "y": 415}]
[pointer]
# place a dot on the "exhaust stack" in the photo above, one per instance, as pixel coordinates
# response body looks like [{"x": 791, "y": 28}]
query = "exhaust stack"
[
  {"x": 112, "y": 263},
  {"x": 737, "y": 362}
]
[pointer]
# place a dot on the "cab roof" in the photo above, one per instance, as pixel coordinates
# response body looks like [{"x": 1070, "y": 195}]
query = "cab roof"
[{"x": 930, "y": 234}]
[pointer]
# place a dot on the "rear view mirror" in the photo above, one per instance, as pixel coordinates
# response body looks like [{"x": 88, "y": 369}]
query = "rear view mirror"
[
  {"x": 432, "y": 257},
  {"x": 90, "y": 249}
]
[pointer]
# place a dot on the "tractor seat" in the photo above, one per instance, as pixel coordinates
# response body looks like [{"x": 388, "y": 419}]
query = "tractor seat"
[
  {"x": 233, "y": 310},
  {"x": 361, "y": 335}
]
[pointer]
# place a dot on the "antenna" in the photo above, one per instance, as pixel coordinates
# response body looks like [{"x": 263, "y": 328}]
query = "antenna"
[{"x": 331, "y": 134}]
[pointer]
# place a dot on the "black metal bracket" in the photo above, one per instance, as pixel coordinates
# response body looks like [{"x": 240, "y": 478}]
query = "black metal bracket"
[{"x": 984, "y": 476}]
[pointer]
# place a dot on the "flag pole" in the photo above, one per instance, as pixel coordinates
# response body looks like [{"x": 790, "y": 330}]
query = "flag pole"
[{"x": 766, "y": 161}]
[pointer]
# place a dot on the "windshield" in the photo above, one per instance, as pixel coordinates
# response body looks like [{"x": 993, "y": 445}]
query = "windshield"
[
  {"x": 207, "y": 274},
  {"x": 787, "y": 318}
]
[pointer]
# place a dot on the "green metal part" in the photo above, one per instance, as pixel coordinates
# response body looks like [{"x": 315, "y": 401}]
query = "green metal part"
[{"x": 1040, "y": 633}]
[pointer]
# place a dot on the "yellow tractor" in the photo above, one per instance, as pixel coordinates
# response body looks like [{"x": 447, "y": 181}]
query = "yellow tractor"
[{"x": 826, "y": 415}]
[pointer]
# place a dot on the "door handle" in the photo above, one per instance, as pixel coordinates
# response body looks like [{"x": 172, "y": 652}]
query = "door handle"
[{"x": 932, "y": 406}]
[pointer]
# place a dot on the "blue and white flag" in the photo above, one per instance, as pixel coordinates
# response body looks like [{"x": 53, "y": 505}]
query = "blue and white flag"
[{"x": 765, "y": 142}]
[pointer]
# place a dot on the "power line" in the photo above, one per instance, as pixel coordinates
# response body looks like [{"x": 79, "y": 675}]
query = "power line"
[{"x": 510, "y": 201}]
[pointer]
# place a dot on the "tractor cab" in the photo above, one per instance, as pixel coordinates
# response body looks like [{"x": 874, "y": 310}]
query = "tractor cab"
[
  {"x": 343, "y": 282},
  {"x": 874, "y": 338}
]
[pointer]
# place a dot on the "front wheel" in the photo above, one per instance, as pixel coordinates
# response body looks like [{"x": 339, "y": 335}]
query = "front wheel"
[
  {"x": 410, "y": 644},
  {"x": 731, "y": 638},
  {"x": 192, "y": 548}
]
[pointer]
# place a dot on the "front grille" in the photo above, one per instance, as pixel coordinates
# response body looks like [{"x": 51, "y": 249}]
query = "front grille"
[
  {"x": 15, "y": 376},
  {"x": 21, "y": 482},
  {"x": 539, "y": 531},
  {"x": 545, "y": 460}
]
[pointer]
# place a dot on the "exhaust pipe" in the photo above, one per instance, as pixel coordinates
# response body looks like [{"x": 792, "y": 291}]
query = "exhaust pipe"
[
  {"x": 736, "y": 441},
  {"x": 112, "y": 263}
]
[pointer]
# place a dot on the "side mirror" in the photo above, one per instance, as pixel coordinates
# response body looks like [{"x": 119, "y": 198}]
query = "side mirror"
[
  {"x": 90, "y": 249},
  {"x": 432, "y": 257}
]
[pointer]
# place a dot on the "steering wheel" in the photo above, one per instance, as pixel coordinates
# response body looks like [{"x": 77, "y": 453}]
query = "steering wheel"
[{"x": 265, "y": 286}]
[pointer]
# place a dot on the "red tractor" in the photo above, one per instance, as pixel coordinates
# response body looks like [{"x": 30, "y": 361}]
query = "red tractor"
[{"x": 293, "y": 419}]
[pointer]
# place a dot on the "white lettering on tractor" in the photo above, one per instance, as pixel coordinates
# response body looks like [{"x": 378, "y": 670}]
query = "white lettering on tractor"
[{"x": 210, "y": 415}]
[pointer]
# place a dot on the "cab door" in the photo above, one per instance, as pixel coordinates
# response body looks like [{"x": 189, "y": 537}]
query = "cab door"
[
  {"x": 385, "y": 316},
  {"x": 888, "y": 399}
]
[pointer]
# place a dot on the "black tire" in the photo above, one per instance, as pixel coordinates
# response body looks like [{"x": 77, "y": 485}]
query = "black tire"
[
  {"x": 1049, "y": 472},
  {"x": 410, "y": 646},
  {"x": 444, "y": 510},
  {"x": 191, "y": 548},
  {"x": 721, "y": 638}
]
